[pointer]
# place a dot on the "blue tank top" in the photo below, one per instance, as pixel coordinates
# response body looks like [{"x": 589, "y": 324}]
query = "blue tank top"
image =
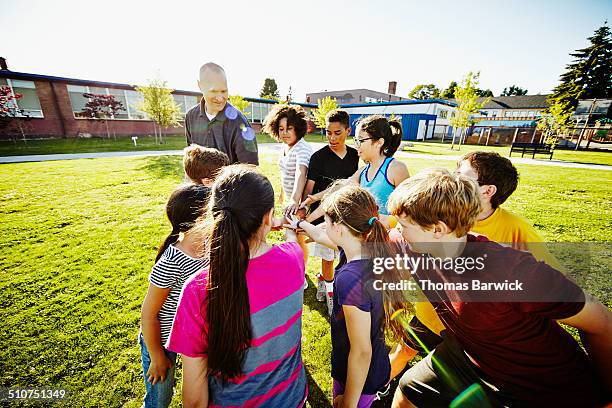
[{"x": 380, "y": 186}]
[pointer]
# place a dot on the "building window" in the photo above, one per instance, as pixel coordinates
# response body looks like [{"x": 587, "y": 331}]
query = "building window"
[
  {"x": 508, "y": 114},
  {"x": 130, "y": 100},
  {"x": 28, "y": 104},
  {"x": 531, "y": 114},
  {"x": 77, "y": 100},
  {"x": 180, "y": 101},
  {"x": 134, "y": 100},
  {"x": 119, "y": 95},
  {"x": 515, "y": 114},
  {"x": 523, "y": 114},
  {"x": 443, "y": 114},
  {"x": 190, "y": 101}
]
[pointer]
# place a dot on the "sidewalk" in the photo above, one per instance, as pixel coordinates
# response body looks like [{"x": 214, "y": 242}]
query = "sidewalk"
[{"x": 276, "y": 147}]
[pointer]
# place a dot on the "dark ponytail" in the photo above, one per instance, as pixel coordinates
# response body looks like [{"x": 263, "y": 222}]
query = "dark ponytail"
[
  {"x": 240, "y": 198},
  {"x": 357, "y": 209},
  {"x": 379, "y": 127},
  {"x": 186, "y": 203}
]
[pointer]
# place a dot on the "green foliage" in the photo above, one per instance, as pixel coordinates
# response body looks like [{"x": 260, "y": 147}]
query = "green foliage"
[
  {"x": 159, "y": 104},
  {"x": 484, "y": 93},
  {"x": 269, "y": 89},
  {"x": 514, "y": 90},
  {"x": 239, "y": 103},
  {"x": 424, "y": 91},
  {"x": 449, "y": 93},
  {"x": 588, "y": 76},
  {"x": 325, "y": 106},
  {"x": 555, "y": 121},
  {"x": 467, "y": 101}
]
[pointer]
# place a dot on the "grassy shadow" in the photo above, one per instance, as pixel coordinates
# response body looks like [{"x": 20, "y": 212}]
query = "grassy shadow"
[
  {"x": 316, "y": 396},
  {"x": 162, "y": 167}
]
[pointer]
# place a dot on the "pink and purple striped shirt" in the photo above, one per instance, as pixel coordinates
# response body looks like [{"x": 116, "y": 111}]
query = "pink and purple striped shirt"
[{"x": 274, "y": 375}]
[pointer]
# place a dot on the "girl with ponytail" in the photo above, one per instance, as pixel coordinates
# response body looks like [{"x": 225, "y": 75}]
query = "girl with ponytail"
[
  {"x": 361, "y": 310},
  {"x": 241, "y": 341},
  {"x": 177, "y": 259}
]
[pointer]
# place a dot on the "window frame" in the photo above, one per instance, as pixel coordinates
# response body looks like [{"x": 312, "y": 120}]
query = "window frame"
[{"x": 9, "y": 83}]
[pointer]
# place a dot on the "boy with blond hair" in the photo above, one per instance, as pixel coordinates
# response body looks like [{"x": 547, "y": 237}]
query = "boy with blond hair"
[
  {"x": 202, "y": 164},
  {"x": 501, "y": 338}
]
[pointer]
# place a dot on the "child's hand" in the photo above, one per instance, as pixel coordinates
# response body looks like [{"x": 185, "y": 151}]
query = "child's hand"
[
  {"x": 292, "y": 222},
  {"x": 290, "y": 210},
  {"x": 277, "y": 223},
  {"x": 307, "y": 201},
  {"x": 338, "y": 401},
  {"x": 158, "y": 369}
]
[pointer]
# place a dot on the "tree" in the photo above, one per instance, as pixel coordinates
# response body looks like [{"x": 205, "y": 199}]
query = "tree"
[
  {"x": 449, "y": 93},
  {"x": 239, "y": 103},
  {"x": 10, "y": 110},
  {"x": 102, "y": 107},
  {"x": 159, "y": 104},
  {"x": 325, "y": 105},
  {"x": 588, "y": 76},
  {"x": 467, "y": 105},
  {"x": 514, "y": 90},
  {"x": 484, "y": 93},
  {"x": 269, "y": 89},
  {"x": 424, "y": 91},
  {"x": 555, "y": 122}
]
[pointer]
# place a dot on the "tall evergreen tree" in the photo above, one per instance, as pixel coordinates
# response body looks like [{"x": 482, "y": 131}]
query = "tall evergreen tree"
[
  {"x": 269, "y": 89},
  {"x": 588, "y": 76}
]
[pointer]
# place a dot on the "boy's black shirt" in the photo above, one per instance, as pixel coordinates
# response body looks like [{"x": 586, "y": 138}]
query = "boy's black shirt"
[{"x": 326, "y": 167}]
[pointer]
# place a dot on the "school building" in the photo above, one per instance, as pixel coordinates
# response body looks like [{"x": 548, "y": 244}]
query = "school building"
[{"x": 51, "y": 106}]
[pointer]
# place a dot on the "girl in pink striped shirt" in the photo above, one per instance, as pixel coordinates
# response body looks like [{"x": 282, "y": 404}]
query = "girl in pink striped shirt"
[{"x": 241, "y": 341}]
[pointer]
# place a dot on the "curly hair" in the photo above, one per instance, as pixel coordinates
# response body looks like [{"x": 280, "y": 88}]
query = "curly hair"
[
  {"x": 296, "y": 117},
  {"x": 493, "y": 169}
]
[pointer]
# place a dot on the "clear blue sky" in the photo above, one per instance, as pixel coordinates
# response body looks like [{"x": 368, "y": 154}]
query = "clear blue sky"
[{"x": 311, "y": 45}]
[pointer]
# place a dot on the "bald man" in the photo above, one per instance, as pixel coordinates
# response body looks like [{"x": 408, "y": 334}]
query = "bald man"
[{"x": 215, "y": 123}]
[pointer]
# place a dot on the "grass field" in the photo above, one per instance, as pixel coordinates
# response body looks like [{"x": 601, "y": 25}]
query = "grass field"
[
  {"x": 78, "y": 239},
  {"x": 177, "y": 142},
  {"x": 121, "y": 144}
]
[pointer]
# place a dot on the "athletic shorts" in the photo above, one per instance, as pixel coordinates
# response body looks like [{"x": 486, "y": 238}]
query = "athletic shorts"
[{"x": 446, "y": 377}]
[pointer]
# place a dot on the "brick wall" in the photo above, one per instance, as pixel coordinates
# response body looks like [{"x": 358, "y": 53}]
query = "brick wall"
[{"x": 59, "y": 120}]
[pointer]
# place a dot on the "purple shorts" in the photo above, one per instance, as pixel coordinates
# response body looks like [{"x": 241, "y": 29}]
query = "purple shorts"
[{"x": 365, "y": 400}]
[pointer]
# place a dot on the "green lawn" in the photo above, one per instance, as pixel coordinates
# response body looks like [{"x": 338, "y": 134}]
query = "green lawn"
[
  {"x": 75, "y": 145},
  {"x": 79, "y": 237},
  {"x": 177, "y": 142},
  {"x": 436, "y": 148}
]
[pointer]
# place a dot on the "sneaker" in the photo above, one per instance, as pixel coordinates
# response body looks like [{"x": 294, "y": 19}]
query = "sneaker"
[
  {"x": 320, "y": 288},
  {"x": 329, "y": 298}
]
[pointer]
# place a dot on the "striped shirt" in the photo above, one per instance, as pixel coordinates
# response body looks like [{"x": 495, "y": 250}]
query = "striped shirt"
[
  {"x": 273, "y": 373},
  {"x": 289, "y": 161},
  {"x": 170, "y": 272}
]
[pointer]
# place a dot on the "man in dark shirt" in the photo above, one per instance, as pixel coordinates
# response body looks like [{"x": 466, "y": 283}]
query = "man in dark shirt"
[{"x": 216, "y": 123}]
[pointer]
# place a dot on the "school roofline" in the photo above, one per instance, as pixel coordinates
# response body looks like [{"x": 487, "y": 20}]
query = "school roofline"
[{"x": 404, "y": 102}]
